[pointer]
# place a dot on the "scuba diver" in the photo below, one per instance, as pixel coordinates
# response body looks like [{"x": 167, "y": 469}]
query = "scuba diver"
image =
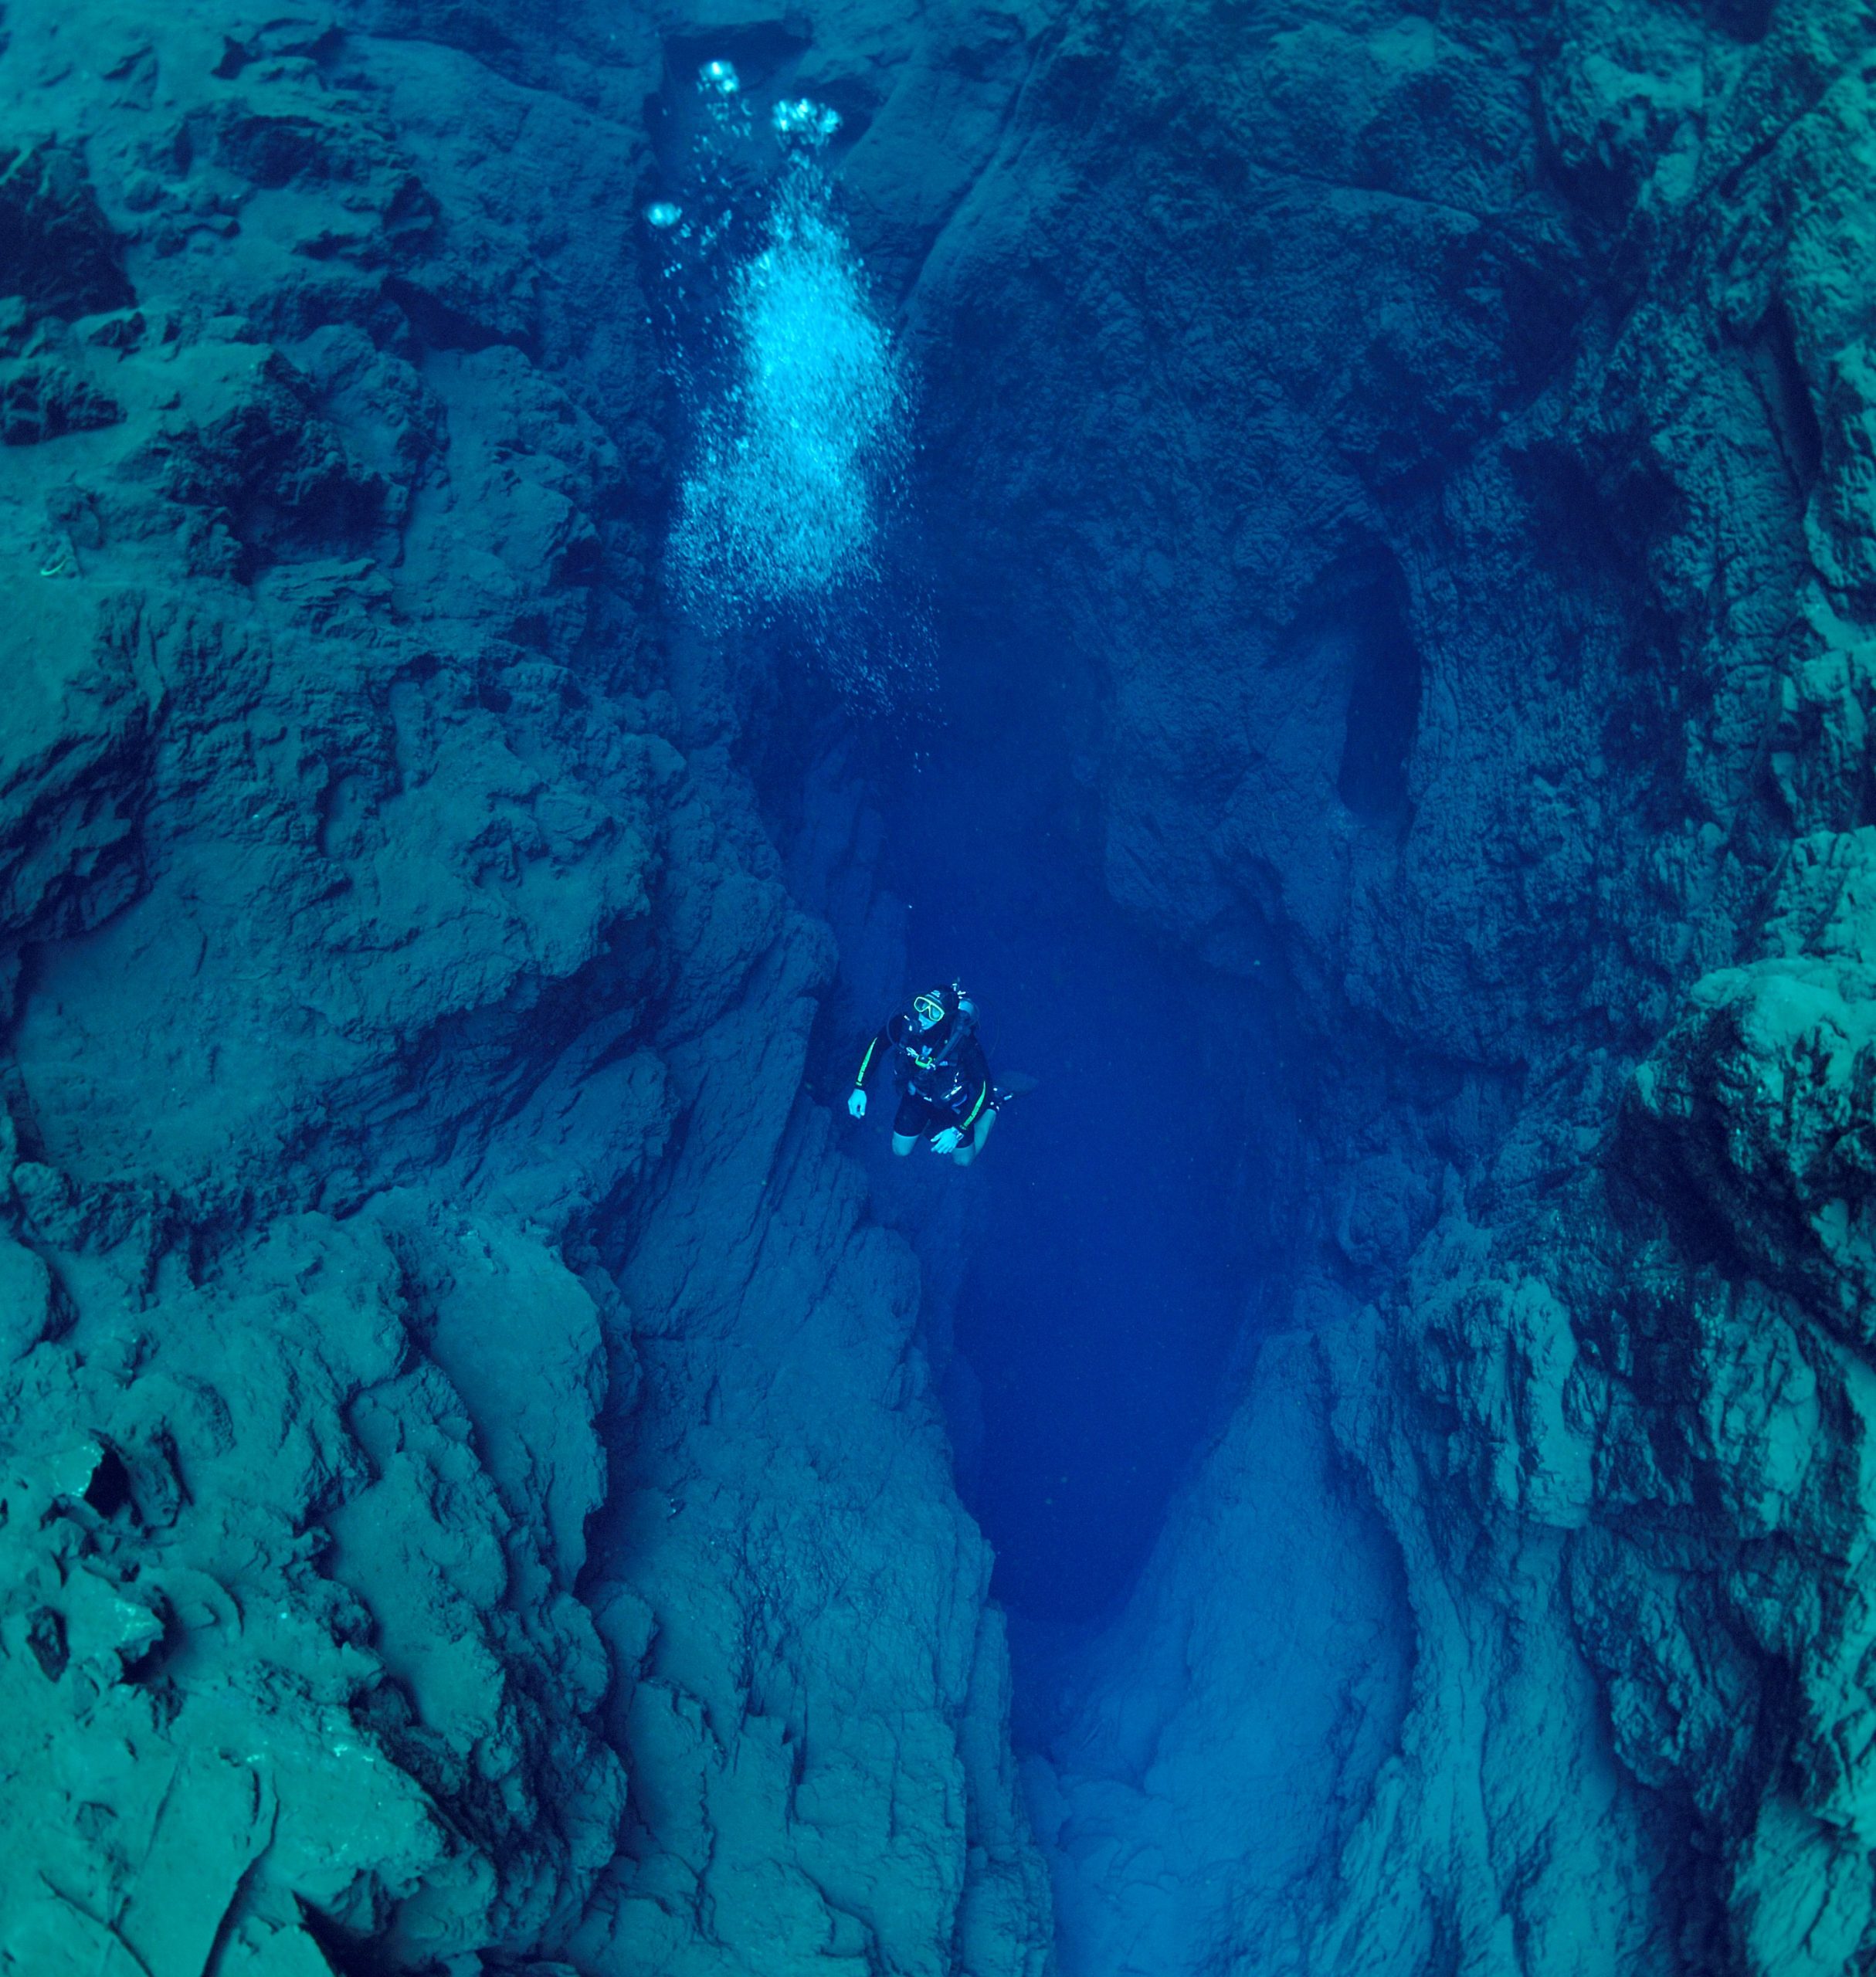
[{"x": 944, "y": 1090}]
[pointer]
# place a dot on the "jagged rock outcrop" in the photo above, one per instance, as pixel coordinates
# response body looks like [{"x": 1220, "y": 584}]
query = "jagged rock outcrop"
[
  {"x": 1446, "y": 434},
  {"x": 472, "y": 1493},
  {"x": 472, "y": 1497}
]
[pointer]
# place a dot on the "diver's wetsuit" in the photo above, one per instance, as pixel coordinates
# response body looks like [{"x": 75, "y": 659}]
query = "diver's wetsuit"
[{"x": 940, "y": 1084}]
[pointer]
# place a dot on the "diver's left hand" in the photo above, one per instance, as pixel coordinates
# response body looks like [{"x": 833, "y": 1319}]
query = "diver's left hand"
[{"x": 949, "y": 1141}]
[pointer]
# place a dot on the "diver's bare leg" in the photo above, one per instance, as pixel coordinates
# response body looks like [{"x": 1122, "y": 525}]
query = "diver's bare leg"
[
  {"x": 903, "y": 1143},
  {"x": 974, "y": 1145}
]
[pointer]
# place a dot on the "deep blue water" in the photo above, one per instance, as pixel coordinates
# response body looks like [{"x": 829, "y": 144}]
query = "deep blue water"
[
  {"x": 1099, "y": 1309},
  {"x": 1105, "y": 1287}
]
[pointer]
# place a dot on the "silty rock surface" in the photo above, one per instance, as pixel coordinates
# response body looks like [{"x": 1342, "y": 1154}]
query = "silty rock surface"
[{"x": 470, "y": 1484}]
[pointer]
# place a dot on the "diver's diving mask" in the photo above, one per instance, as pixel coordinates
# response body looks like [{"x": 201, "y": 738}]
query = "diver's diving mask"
[{"x": 929, "y": 1011}]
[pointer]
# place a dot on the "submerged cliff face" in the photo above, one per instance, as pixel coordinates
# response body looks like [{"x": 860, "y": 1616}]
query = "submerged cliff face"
[
  {"x": 1448, "y": 436},
  {"x": 472, "y": 1488},
  {"x": 461, "y": 1431}
]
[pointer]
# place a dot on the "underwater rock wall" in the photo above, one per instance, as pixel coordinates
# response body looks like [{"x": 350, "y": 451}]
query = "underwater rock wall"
[
  {"x": 461, "y": 1429},
  {"x": 461, "y": 1435},
  {"x": 1454, "y": 431}
]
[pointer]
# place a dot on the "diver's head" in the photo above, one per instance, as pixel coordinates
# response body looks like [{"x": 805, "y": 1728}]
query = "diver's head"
[
  {"x": 928, "y": 1025},
  {"x": 935, "y": 1009}
]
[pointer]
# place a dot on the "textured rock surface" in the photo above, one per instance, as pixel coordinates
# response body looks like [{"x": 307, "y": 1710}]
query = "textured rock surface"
[
  {"x": 1466, "y": 523},
  {"x": 471, "y": 1498},
  {"x": 470, "y": 1488}
]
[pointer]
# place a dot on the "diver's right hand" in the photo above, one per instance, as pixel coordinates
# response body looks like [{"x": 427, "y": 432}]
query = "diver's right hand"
[{"x": 857, "y": 1102}]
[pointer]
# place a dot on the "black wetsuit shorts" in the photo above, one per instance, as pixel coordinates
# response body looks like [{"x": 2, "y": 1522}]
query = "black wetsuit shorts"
[{"x": 917, "y": 1117}]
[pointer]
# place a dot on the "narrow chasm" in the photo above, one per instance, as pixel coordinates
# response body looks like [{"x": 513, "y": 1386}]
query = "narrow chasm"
[
  {"x": 1088, "y": 1286},
  {"x": 1384, "y": 696},
  {"x": 1353, "y": 539},
  {"x": 1095, "y": 1316},
  {"x": 1126, "y": 1211},
  {"x": 562, "y": 564},
  {"x": 1140, "y": 1436}
]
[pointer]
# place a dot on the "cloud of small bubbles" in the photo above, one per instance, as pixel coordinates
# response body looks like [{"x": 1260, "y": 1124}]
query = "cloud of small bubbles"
[
  {"x": 781, "y": 501},
  {"x": 800, "y": 418}
]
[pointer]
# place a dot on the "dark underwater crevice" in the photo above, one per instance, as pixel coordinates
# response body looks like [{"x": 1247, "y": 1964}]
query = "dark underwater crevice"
[
  {"x": 1366, "y": 629},
  {"x": 1101, "y": 1301},
  {"x": 1773, "y": 357},
  {"x": 1088, "y": 1282}
]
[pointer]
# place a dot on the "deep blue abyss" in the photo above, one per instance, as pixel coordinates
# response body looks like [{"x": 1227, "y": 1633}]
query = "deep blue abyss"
[{"x": 1101, "y": 1300}]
